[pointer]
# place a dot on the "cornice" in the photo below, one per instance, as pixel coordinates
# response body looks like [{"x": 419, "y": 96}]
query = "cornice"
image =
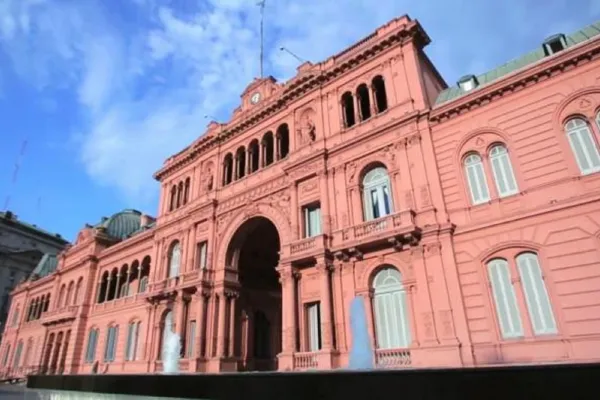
[
  {"x": 321, "y": 74},
  {"x": 544, "y": 69}
]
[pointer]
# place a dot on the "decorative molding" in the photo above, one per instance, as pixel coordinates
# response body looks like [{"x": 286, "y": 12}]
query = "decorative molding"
[{"x": 253, "y": 194}]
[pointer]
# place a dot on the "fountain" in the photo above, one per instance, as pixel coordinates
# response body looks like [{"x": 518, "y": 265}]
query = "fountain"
[
  {"x": 171, "y": 349},
  {"x": 361, "y": 352}
]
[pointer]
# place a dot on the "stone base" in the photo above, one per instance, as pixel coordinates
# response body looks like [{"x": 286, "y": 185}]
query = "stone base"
[
  {"x": 216, "y": 364},
  {"x": 285, "y": 361}
]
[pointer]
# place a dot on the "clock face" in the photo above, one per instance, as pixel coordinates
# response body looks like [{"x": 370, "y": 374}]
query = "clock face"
[{"x": 255, "y": 98}]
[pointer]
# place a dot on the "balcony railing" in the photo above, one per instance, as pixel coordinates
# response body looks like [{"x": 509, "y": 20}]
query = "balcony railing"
[
  {"x": 65, "y": 313},
  {"x": 308, "y": 245},
  {"x": 304, "y": 361},
  {"x": 392, "y": 358},
  {"x": 375, "y": 229}
]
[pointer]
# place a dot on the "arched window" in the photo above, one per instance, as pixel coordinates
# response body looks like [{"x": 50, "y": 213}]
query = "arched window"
[
  {"x": 186, "y": 190},
  {"x": 476, "y": 179},
  {"x": 61, "y": 297},
  {"x": 583, "y": 145},
  {"x": 90, "y": 352},
  {"x": 70, "y": 293},
  {"x": 46, "y": 303},
  {"x": 173, "y": 198},
  {"x": 378, "y": 86},
  {"x": 390, "y": 310},
  {"x": 174, "y": 259},
  {"x": 503, "y": 171},
  {"x": 227, "y": 169},
  {"x": 240, "y": 163},
  {"x": 536, "y": 294},
  {"x": 254, "y": 154},
  {"x": 505, "y": 298},
  {"x": 267, "y": 149},
  {"x": 348, "y": 109},
  {"x": 364, "y": 103},
  {"x": 179, "y": 194},
  {"x": 76, "y": 299},
  {"x": 377, "y": 194},
  {"x": 283, "y": 141},
  {"x": 112, "y": 336},
  {"x": 15, "y": 317}
]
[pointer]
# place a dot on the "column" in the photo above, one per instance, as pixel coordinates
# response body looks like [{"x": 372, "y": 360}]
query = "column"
[
  {"x": 107, "y": 288},
  {"x": 324, "y": 269},
  {"x": 294, "y": 210},
  {"x": 188, "y": 264},
  {"x": 405, "y": 185},
  {"x": 117, "y": 287},
  {"x": 249, "y": 160},
  {"x": 232, "y": 315},
  {"x": 356, "y": 108},
  {"x": 324, "y": 189},
  {"x": 356, "y": 205},
  {"x": 426, "y": 317},
  {"x": 221, "y": 329},
  {"x": 372, "y": 99},
  {"x": 277, "y": 147},
  {"x": 263, "y": 153},
  {"x": 288, "y": 306}
]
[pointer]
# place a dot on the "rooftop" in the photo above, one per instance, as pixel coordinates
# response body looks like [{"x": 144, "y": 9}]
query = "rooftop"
[
  {"x": 10, "y": 218},
  {"x": 575, "y": 38}
]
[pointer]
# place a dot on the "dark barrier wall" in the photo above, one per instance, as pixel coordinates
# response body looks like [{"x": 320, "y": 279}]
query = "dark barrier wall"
[{"x": 580, "y": 381}]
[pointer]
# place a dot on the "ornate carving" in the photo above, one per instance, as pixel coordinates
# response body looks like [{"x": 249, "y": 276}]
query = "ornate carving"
[
  {"x": 479, "y": 142},
  {"x": 307, "y": 132},
  {"x": 308, "y": 169},
  {"x": 413, "y": 139},
  {"x": 433, "y": 249},
  {"x": 202, "y": 227},
  {"x": 428, "y": 324},
  {"x": 281, "y": 201},
  {"x": 250, "y": 211},
  {"x": 351, "y": 170},
  {"x": 584, "y": 104},
  {"x": 416, "y": 252},
  {"x": 308, "y": 187},
  {"x": 389, "y": 154},
  {"x": 222, "y": 221},
  {"x": 253, "y": 194}
]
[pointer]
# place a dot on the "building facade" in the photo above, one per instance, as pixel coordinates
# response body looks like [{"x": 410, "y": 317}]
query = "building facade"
[
  {"x": 466, "y": 217},
  {"x": 22, "y": 246}
]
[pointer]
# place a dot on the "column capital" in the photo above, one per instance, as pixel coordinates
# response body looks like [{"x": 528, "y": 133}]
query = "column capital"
[{"x": 287, "y": 273}]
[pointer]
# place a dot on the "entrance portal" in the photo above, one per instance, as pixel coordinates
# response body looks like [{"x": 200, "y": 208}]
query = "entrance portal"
[{"x": 254, "y": 252}]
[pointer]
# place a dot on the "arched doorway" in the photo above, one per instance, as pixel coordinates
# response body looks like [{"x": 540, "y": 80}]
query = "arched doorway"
[{"x": 254, "y": 253}]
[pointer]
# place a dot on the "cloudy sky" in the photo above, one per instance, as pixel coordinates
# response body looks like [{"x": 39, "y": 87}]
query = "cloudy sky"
[{"x": 104, "y": 91}]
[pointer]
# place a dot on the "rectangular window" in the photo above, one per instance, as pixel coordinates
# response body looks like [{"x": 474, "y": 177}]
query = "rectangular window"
[
  {"x": 111, "y": 343},
  {"x": 202, "y": 254},
  {"x": 312, "y": 220},
  {"x": 15, "y": 317},
  {"x": 313, "y": 313},
  {"x": 90, "y": 353},
  {"x": 129, "y": 344},
  {"x": 191, "y": 340},
  {"x": 6, "y": 354},
  {"x": 17, "y": 358}
]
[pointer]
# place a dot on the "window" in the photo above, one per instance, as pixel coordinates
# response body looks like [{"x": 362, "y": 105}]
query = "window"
[
  {"x": 133, "y": 332},
  {"x": 191, "y": 340},
  {"x": 348, "y": 109},
  {"x": 6, "y": 354},
  {"x": 17, "y": 357},
  {"x": 313, "y": 312},
  {"x": 376, "y": 194},
  {"x": 390, "y": 310},
  {"x": 583, "y": 146},
  {"x": 505, "y": 298},
  {"x": 174, "y": 260},
  {"x": 312, "y": 220},
  {"x": 536, "y": 295},
  {"x": 15, "y": 317},
  {"x": 143, "y": 284},
  {"x": 124, "y": 290},
  {"x": 476, "y": 179},
  {"x": 111, "y": 343},
  {"x": 202, "y": 254},
  {"x": 503, "y": 172},
  {"x": 90, "y": 351}
]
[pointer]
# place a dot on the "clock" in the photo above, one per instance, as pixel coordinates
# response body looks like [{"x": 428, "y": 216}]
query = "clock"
[{"x": 255, "y": 98}]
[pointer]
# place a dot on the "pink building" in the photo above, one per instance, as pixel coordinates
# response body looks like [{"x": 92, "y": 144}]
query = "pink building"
[{"x": 466, "y": 216}]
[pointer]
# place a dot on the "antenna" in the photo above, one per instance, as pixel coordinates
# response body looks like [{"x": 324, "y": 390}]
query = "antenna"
[
  {"x": 292, "y": 54},
  {"x": 16, "y": 172},
  {"x": 261, "y": 4}
]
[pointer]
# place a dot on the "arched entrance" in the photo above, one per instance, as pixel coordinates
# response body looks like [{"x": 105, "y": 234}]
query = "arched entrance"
[{"x": 254, "y": 253}]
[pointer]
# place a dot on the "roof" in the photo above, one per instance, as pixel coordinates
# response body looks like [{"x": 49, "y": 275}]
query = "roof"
[
  {"x": 11, "y": 218},
  {"x": 46, "y": 266},
  {"x": 122, "y": 224},
  {"x": 454, "y": 92}
]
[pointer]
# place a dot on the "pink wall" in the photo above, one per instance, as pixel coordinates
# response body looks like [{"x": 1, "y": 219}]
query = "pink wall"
[{"x": 432, "y": 234}]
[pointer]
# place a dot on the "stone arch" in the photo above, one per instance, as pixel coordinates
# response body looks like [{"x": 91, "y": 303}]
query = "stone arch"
[
  {"x": 589, "y": 101},
  {"x": 491, "y": 253},
  {"x": 269, "y": 212},
  {"x": 364, "y": 165},
  {"x": 480, "y": 140},
  {"x": 392, "y": 260}
]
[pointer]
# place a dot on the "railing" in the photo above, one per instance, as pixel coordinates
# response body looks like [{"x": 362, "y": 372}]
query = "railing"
[
  {"x": 69, "y": 312},
  {"x": 374, "y": 228},
  {"x": 392, "y": 358},
  {"x": 303, "y": 361}
]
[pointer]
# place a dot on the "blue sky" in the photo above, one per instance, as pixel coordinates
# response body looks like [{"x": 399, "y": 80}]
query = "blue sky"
[{"x": 104, "y": 91}]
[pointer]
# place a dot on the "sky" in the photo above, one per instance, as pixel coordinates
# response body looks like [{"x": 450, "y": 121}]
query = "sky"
[{"x": 102, "y": 92}]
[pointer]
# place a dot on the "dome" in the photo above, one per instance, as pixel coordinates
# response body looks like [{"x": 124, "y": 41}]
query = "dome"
[{"x": 122, "y": 224}]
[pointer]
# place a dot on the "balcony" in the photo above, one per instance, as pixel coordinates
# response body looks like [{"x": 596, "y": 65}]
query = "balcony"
[
  {"x": 306, "y": 361},
  {"x": 308, "y": 247},
  {"x": 395, "y": 228},
  {"x": 392, "y": 358},
  {"x": 62, "y": 315}
]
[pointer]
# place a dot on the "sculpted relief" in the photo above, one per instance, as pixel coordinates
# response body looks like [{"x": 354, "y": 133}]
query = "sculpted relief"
[
  {"x": 208, "y": 176},
  {"x": 307, "y": 131}
]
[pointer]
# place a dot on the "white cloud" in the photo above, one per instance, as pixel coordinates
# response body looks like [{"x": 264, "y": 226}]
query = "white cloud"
[{"x": 145, "y": 76}]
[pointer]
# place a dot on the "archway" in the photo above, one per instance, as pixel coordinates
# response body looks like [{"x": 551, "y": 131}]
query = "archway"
[{"x": 254, "y": 253}]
